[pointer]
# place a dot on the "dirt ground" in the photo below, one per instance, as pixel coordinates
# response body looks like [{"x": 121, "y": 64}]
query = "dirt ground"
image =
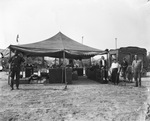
[{"x": 84, "y": 100}]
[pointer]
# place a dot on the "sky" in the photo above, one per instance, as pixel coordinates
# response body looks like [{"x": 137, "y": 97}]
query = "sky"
[{"x": 95, "y": 23}]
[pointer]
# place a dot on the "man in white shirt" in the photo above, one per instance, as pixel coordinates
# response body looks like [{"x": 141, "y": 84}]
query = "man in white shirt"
[{"x": 115, "y": 69}]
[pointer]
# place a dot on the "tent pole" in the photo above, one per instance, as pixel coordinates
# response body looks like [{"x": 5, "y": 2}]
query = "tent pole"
[
  {"x": 90, "y": 61},
  {"x": 9, "y": 68},
  {"x": 64, "y": 69},
  {"x": 59, "y": 61},
  {"x": 108, "y": 62},
  {"x": 83, "y": 67},
  {"x": 55, "y": 61},
  {"x": 43, "y": 61},
  {"x": 62, "y": 76}
]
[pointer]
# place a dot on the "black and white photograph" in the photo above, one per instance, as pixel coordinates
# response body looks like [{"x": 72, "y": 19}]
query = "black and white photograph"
[{"x": 74, "y": 60}]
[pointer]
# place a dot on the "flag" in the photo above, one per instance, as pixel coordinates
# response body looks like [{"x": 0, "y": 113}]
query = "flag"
[{"x": 17, "y": 38}]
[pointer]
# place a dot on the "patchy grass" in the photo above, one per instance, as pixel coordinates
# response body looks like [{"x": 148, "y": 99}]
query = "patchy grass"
[{"x": 84, "y": 100}]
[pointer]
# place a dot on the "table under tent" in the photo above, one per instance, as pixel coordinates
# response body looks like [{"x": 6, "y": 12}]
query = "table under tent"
[{"x": 58, "y": 46}]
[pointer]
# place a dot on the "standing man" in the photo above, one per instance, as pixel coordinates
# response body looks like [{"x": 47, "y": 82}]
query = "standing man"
[
  {"x": 15, "y": 62},
  {"x": 124, "y": 66},
  {"x": 115, "y": 70},
  {"x": 103, "y": 67},
  {"x": 137, "y": 67}
]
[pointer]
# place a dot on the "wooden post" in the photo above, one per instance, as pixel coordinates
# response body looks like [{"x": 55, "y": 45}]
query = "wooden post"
[
  {"x": 55, "y": 61},
  {"x": 90, "y": 61},
  {"x": 116, "y": 43},
  {"x": 108, "y": 63},
  {"x": 63, "y": 66},
  {"x": 59, "y": 61},
  {"x": 43, "y": 61},
  {"x": 64, "y": 69},
  {"x": 9, "y": 68}
]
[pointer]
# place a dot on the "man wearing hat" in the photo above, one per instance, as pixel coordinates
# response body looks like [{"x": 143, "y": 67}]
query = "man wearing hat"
[
  {"x": 15, "y": 62},
  {"x": 137, "y": 67}
]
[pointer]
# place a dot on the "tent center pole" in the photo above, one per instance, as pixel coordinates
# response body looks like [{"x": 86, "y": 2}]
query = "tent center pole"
[{"x": 64, "y": 65}]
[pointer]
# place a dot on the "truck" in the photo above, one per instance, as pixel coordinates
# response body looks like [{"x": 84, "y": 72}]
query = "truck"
[{"x": 128, "y": 53}]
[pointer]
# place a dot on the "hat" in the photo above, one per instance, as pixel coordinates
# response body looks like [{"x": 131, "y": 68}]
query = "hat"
[{"x": 114, "y": 58}]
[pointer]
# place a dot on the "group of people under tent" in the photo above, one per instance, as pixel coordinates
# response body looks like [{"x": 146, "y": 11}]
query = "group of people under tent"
[
  {"x": 137, "y": 66},
  {"x": 123, "y": 69}
]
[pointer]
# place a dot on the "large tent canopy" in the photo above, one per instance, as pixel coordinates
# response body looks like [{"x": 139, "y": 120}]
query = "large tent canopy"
[{"x": 58, "y": 46}]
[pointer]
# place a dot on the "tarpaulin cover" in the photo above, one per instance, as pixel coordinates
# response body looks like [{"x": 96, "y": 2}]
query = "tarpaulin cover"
[{"x": 56, "y": 46}]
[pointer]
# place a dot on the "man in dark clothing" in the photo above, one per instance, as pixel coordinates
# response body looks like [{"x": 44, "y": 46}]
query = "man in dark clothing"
[
  {"x": 15, "y": 62},
  {"x": 103, "y": 67},
  {"x": 124, "y": 66}
]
